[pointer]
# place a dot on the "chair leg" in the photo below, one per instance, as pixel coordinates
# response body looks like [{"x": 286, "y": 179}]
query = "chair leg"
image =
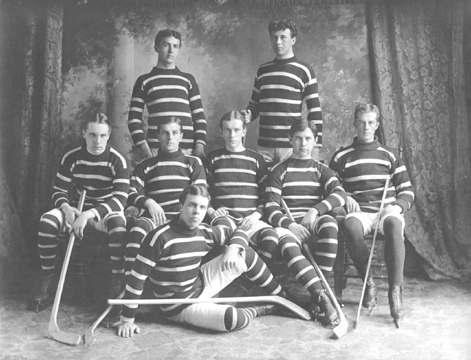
[{"x": 339, "y": 269}]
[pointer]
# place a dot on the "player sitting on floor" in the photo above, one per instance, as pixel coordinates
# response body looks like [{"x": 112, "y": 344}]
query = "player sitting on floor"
[{"x": 171, "y": 255}]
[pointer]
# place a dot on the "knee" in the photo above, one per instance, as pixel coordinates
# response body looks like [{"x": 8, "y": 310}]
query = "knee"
[
  {"x": 353, "y": 225},
  {"x": 142, "y": 225},
  {"x": 114, "y": 222}
]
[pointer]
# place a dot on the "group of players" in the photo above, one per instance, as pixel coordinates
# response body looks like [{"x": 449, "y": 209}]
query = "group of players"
[{"x": 176, "y": 191}]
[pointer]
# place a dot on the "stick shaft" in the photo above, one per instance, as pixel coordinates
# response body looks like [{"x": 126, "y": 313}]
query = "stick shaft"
[
  {"x": 370, "y": 257},
  {"x": 60, "y": 286}
]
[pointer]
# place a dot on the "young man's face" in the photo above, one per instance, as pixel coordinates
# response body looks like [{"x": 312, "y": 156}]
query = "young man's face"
[
  {"x": 192, "y": 212},
  {"x": 366, "y": 125},
  {"x": 233, "y": 132},
  {"x": 303, "y": 142},
  {"x": 282, "y": 43},
  {"x": 170, "y": 136},
  {"x": 96, "y": 136},
  {"x": 168, "y": 50}
]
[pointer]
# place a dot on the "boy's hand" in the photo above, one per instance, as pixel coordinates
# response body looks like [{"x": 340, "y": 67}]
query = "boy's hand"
[
  {"x": 219, "y": 212},
  {"x": 230, "y": 258},
  {"x": 247, "y": 115},
  {"x": 352, "y": 206},
  {"x": 198, "y": 151},
  {"x": 309, "y": 219},
  {"x": 70, "y": 213},
  {"x": 156, "y": 212},
  {"x": 81, "y": 221},
  {"x": 250, "y": 220},
  {"x": 300, "y": 232},
  {"x": 126, "y": 328}
]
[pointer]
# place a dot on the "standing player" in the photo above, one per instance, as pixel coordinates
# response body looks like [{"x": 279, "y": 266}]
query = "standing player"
[
  {"x": 236, "y": 177},
  {"x": 167, "y": 92},
  {"x": 280, "y": 87}
]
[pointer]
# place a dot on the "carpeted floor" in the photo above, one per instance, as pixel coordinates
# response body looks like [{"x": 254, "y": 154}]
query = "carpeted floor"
[{"x": 437, "y": 326}]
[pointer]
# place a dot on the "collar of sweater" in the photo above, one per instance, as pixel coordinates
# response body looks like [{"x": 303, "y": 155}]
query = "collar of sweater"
[
  {"x": 156, "y": 70},
  {"x": 182, "y": 228},
  {"x": 366, "y": 146},
  {"x": 284, "y": 61},
  {"x": 162, "y": 155}
]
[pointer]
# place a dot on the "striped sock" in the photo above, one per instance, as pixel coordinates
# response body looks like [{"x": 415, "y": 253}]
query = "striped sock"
[
  {"x": 299, "y": 266},
  {"x": 116, "y": 226},
  {"x": 326, "y": 248},
  {"x": 268, "y": 244},
  {"x": 47, "y": 242},
  {"x": 236, "y": 319},
  {"x": 139, "y": 229},
  {"x": 258, "y": 272}
]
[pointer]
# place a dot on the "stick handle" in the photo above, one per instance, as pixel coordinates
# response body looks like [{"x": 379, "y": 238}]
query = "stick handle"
[
  {"x": 370, "y": 257},
  {"x": 60, "y": 286}
]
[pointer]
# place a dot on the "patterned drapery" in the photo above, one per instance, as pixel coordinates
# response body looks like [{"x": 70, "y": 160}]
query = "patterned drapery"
[
  {"x": 419, "y": 84},
  {"x": 39, "y": 119}
]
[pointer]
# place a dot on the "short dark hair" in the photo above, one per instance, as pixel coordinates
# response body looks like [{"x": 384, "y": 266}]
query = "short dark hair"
[
  {"x": 98, "y": 118},
  {"x": 301, "y": 125},
  {"x": 283, "y": 24},
  {"x": 233, "y": 115},
  {"x": 162, "y": 34},
  {"x": 200, "y": 190},
  {"x": 169, "y": 120},
  {"x": 364, "y": 108}
]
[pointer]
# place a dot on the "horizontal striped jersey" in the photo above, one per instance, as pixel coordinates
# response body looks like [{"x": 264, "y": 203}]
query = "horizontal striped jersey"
[
  {"x": 162, "y": 178},
  {"x": 167, "y": 92},
  {"x": 236, "y": 181},
  {"x": 171, "y": 255},
  {"x": 279, "y": 90},
  {"x": 303, "y": 184},
  {"x": 363, "y": 170},
  {"x": 105, "y": 177}
]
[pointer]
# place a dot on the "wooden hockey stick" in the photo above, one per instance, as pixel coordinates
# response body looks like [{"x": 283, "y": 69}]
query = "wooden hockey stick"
[
  {"x": 341, "y": 329},
  {"x": 54, "y": 331},
  {"x": 371, "y": 253},
  {"x": 303, "y": 314},
  {"x": 89, "y": 337}
]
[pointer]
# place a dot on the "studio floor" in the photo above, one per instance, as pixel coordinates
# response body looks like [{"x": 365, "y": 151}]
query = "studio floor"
[{"x": 437, "y": 326}]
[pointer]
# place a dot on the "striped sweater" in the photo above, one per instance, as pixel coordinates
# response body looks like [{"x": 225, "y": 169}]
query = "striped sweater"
[
  {"x": 279, "y": 90},
  {"x": 105, "y": 177},
  {"x": 363, "y": 170},
  {"x": 303, "y": 184},
  {"x": 171, "y": 255},
  {"x": 167, "y": 92},
  {"x": 236, "y": 181},
  {"x": 162, "y": 178}
]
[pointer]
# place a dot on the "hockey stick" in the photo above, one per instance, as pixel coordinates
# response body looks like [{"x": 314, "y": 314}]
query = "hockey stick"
[
  {"x": 89, "y": 337},
  {"x": 303, "y": 314},
  {"x": 371, "y": 253},
  {"x": 341, "y": 329},
  {"x": 54, "y": 331}
]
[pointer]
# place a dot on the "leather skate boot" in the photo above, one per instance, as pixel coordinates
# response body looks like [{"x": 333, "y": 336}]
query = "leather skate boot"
[
  {"x": 267, "y": 309},
  {"x": 370, "y": 298},
  {"x": 320, "y": 300},
  {"x": 43, "y": 297},
  {"x": 395, "y": 303}
]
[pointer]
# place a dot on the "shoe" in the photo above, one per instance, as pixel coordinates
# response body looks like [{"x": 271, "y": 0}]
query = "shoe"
[
  {"x": 322, "y": 304},
  {"x": 267, "y": 309},
  {"x": 395, "y": 303},
  {"x": 371, "y": 295},
  {"x": 285, "y": 293},
  {"x": 43, "y": 297}
]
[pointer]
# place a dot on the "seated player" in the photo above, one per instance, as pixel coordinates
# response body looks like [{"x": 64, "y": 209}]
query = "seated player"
[
  {"x": 171, "y": 255},
  {"x": 236, "y": 177},
  {"x": 363, "y": 168},
  {"x": 156, "y": 184},
  {"x": 310, "y": 190},
  {"x": 104, "y": 173}
]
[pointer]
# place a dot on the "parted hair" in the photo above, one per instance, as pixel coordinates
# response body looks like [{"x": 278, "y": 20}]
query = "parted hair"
[
  {"x": 232, "y": 115},
  {"x": 285, "y": 23},
  {"x": 162, "y": 34},
  {"x": 364, "y": 108},
  {"x": 200, "y": 190},
  {"x": 301, "y": 125},
  {"x": 97, "y": 117},
  {"x": 169, "y": 120}
]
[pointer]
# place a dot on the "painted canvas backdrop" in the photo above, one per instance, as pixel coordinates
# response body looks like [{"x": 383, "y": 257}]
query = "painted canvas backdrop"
[{"x": 106, "y": 49}]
